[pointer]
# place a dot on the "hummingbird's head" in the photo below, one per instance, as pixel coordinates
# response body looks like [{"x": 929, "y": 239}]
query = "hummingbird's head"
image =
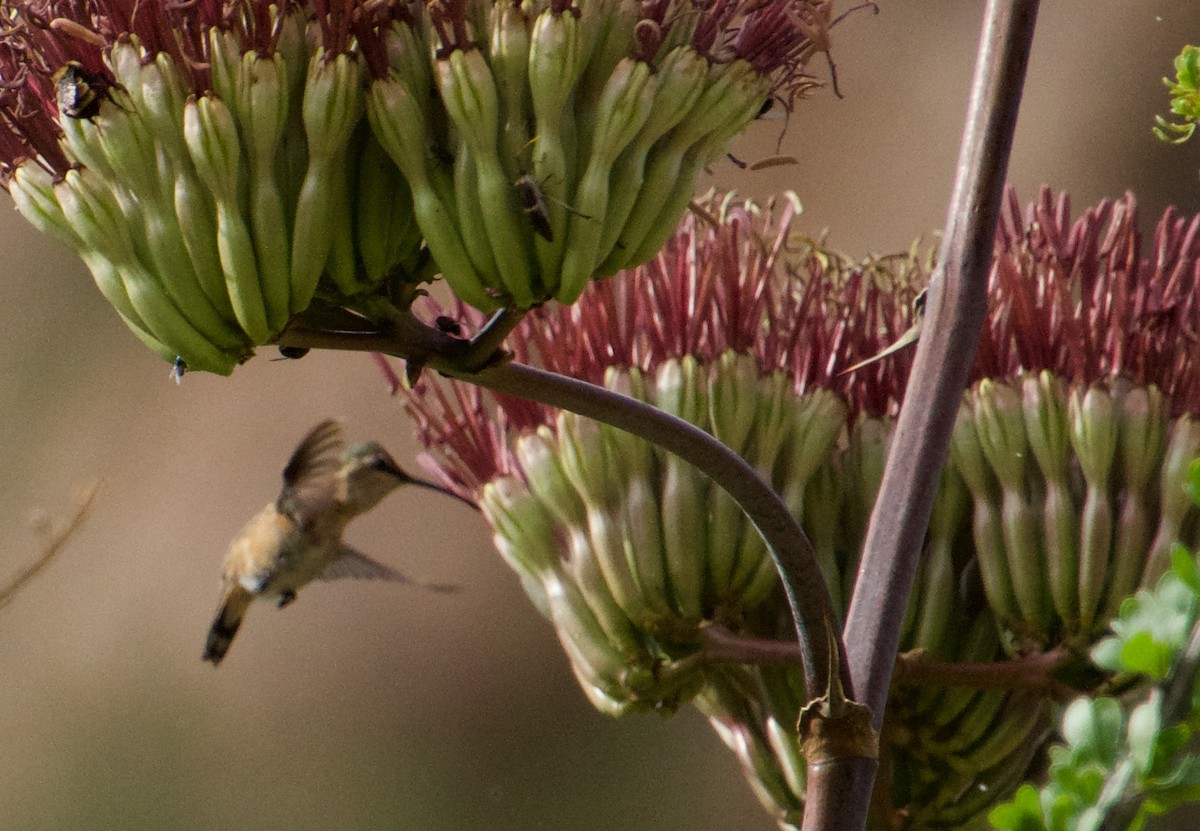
[{"x": 368, "y": 474}]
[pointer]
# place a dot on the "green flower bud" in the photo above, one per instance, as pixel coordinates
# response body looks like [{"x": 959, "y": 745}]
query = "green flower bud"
[
  {"x": 332, "y": 107},
  {"x": 1001, "y": 429},
  {"x": 215, "y": 148},
  {"x": 1094, "y": 437}
]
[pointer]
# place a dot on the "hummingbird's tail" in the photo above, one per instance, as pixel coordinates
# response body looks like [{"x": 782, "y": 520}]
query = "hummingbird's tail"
[{"x": 225, "y": 624}]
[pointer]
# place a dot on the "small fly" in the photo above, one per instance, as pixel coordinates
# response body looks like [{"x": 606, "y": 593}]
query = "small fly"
[
  {"x": 178, "y": 369},
  {"x": 78, "y": 92}
]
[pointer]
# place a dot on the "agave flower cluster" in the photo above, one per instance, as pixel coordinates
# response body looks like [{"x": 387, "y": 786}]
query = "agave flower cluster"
[
  {"x": 219, "y": 164},
  {"x": 1063, "y": 492}
]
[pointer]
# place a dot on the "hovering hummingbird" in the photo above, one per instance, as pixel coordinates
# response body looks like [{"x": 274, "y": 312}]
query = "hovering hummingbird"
[
  {"x": 298, "y": 537},
  {"x": 907, "y": 339}
]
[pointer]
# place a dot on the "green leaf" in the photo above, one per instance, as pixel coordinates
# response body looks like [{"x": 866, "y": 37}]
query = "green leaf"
[
  {"x": 1024, "y": 813},
  {"x": 1183, "y": 563},
  {"x": 1185, "y": 102},
  {"x": 1193, "y": 481},
  {"x": 1092, "y": 728},
  {"x": 1145, "y": 722},
  {"x": 1141, "y": 653}
]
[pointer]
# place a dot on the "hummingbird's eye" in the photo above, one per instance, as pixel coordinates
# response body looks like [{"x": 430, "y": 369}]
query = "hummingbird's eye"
[{"x": 379, "y": 463}]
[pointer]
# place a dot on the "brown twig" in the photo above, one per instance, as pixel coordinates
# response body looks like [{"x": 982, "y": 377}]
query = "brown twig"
[
  {"x": 1034, "y": 673},
  {"x": 1031, "y": 672},
  {"x": 55, "y": 543}
]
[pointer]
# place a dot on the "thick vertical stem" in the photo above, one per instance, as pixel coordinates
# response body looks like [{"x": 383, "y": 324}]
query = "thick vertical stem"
[
  {"x": 839, "y": 795},
  {"x": 954, "y": 318}
]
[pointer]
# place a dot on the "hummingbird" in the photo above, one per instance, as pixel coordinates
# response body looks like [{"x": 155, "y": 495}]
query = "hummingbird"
[
  {"x": 298, "y": 537},
  {"x": 907, "y": 339}
]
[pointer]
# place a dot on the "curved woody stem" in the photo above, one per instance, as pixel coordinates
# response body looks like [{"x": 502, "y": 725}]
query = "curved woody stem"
[{"x": 408, "y": 338}]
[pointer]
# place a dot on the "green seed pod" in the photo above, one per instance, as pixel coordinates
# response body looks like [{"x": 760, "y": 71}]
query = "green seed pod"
[
  {"x": 1044, "y": 406},
  {"x": 81, "y": 142},
  {"x": 626, "y": 102},
  {"x": 262, "y": 118},
  {"x": 471, "y": 221},
  {"x": 986, "y": 525},
  {"x": 584, "y": 569},
  {"x": 1141, "y": 439},
  {"x": 162, "y": 99},
  {"x": 633, "y": 461},
  {"x": 555, "y": 63},
  {"x": 538, "y": 455},
  {"x": 733, "y": 394},
  {"x": 143, "y": 185},
  {"x": 191, "y": 226},
  {"x": 32, "y": 190},
  {"x": 1094, "y": 437},
  {"x": 717, "y": 105},
  {"x": 341, "y": 267},
  {"x": 225, "y": 61},
  {"x": 980, "y": 642},
  {"x": 196, "y": 214},
  {"x": 933, "y": 606},
  {"x": 524, "y": 535},
  {"x": 1023, "y": 715},
  {"x": 213, "y": 142},
  {"x": 292, "y": 159},
  {"x": 597, "y": 663},
  {"x": 1000, "y": 425},
  {"x": 399, "y": 124},
  {"x": 582, "y": 454},
  {"x": 680, "y": 390},
  {"x": 509, "y": 60},
  {"x": 605, "y": 33},
  {"x": 754, "y": 574},
  {"x": 333, "y": 103},
  {"x": 681, "y": 82},
  {"x": 469, "y": 94},
  {"x": 862, "y": 469},
  {"x": 1175, "y": 504},
  {"x": 968, "y": 726},
  {"x": 90, "y": 210},
  {"x": 823, "y": 523},
  {"x": 753, "y": 90},
  {"x": 387, "y": 230}
]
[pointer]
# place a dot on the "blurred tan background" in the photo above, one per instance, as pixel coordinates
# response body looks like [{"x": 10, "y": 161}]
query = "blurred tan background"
[{"x": 372, "y": 706}]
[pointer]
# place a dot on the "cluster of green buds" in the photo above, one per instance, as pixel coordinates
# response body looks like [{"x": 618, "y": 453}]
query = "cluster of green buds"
[
  {"x": 1062, "y": 494},
  {"x": 633, "y": 550},
  {"x": 219, "y": 165}
]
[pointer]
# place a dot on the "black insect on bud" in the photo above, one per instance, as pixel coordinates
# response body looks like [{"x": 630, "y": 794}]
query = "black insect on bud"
[
  {"x": 534, "y": 203},
  {"x": 79, "y": 93},
  {"x": 448, "y": 325}
]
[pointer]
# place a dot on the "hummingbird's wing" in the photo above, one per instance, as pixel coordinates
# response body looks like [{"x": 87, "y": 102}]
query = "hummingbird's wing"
[
  {"x": 310, "y": 477},
  {"x": 353, "y": 564}
]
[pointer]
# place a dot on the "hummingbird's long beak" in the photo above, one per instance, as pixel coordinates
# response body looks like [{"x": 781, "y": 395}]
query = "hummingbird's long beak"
[{"x": 433, "y": 486}]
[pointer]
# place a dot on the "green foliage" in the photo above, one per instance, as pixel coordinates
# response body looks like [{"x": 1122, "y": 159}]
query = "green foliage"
[
  {"x": 1185, "y": 98},
  {"x": 1125, "y": 760}
]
